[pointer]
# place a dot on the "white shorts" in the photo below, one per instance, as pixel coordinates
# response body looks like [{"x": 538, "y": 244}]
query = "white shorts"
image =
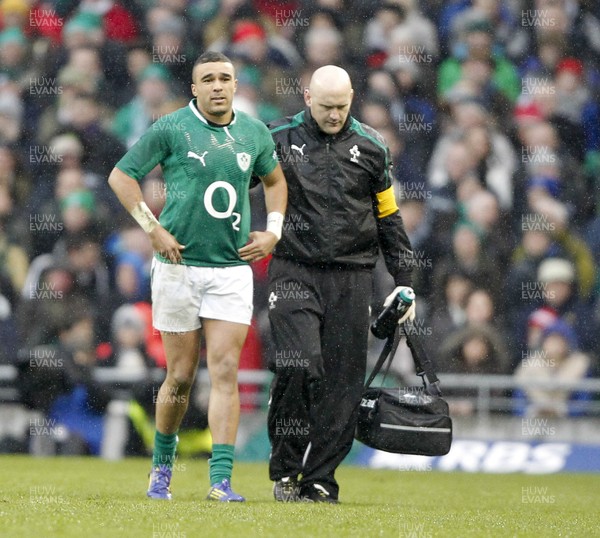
[{"x": 182, "y": 294}]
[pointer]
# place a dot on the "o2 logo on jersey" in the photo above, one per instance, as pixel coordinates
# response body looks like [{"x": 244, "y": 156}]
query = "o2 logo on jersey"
[{"x": 232, "y": 195}]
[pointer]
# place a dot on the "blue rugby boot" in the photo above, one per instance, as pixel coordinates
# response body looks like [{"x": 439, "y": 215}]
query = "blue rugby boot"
[
  {"x": 221, "y": 491},
  {"x": 160, "y": 481}
]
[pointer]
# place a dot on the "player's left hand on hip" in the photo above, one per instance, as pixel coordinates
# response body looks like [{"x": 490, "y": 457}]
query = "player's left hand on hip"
[
  {"x": 259, "y": 246},
  {"x": 411, "y": 312}
]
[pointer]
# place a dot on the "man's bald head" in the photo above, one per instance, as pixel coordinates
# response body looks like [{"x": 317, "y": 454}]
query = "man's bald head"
[
  {"x": 330, "y": 78},
  {"x": 329, "y": 96}
]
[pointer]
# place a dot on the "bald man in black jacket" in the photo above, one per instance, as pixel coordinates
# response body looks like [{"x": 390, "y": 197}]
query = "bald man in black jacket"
[{"x": 341, "y": 211}]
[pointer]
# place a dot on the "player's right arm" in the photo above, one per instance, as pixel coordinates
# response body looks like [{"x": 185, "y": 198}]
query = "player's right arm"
[{"x": 129, "y": 193}]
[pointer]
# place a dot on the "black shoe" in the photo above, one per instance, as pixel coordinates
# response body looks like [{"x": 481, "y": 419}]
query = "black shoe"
[
  {"x": 286, "y": 490},
  {"x": 316, "y": 493}
]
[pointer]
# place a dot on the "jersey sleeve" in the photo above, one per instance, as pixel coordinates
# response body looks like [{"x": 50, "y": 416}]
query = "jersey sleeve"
[
  {"x": 382, "y": 185},
  {"x": 151, "y": 149},
  {"x": 382, "y": 179},
  {"x": 266, "y": 159},
  {"x": 393, "y": 240}
]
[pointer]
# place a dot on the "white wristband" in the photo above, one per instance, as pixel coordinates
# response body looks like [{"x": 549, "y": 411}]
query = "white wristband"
[
  {"x": 275, "y": 223},
  {"x": 144, "y": 217}
]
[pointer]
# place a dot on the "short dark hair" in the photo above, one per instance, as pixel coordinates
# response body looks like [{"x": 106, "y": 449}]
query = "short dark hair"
[{"x": 212, "y": 56}]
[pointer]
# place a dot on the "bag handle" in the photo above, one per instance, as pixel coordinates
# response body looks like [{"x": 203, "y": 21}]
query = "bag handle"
[{"x": 423, "y": 365}]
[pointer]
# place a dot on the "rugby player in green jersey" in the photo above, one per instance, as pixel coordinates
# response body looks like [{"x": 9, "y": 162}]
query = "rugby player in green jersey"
[{"x": 201, "y": 280}]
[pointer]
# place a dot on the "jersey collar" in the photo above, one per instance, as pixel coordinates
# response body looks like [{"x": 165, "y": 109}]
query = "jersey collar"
[
  {"x": 194, "y": 108},
  {"x": 314, "y": 127}
]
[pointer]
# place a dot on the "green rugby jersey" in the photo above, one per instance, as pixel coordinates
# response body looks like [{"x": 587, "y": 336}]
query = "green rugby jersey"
[{"x": 207, "y": 171}]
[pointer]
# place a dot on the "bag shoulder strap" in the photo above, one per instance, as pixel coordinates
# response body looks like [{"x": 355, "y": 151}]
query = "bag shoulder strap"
[
  {"x": 423, "y": 365},
  {"x": 388, "y": 352}
]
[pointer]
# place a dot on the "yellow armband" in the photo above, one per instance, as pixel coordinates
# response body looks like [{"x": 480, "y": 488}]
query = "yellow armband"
[{"x": 386, "y": 202}]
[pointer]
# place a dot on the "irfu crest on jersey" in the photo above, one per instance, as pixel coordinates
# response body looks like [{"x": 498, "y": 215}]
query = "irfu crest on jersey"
[{"x": 243, "y": 160}]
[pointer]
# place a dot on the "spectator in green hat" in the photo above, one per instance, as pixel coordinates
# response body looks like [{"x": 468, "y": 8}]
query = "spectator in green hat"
[
  {"x": 83, "y": 29},
  {"x": 77, "y": 210},
  {"x": 153, "y": 93},
  {"x": 13, "y": 53},
  {"x": 12, "y": 35},
  {"x": 87, "y": 29}
]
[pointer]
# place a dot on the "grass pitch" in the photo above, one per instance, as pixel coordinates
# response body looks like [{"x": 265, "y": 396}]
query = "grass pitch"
[{"x": 91, "y": 498}]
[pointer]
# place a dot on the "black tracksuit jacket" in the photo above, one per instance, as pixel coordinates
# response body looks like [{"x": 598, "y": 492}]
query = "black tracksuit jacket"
[{"x": 333, "y": 215}]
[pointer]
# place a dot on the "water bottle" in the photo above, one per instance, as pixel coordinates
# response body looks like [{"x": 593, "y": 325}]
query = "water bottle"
[{"x": 385, "y": 324}]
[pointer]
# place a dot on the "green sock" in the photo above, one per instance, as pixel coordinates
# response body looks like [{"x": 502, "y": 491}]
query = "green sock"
[
  {"x": 164, "y": 449},
  {"x": 221, "y": 463}
]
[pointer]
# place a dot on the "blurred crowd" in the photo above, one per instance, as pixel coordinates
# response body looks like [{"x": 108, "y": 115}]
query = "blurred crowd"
[{"x": 490, "y": 109}]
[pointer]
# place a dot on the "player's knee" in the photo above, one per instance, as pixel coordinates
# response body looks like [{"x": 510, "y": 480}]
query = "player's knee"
[
  {"x": 181, "y": 380},
  {"x": 223, "y": 372}
]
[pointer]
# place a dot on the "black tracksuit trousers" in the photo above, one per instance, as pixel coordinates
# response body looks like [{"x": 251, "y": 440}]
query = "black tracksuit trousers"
[{"x": 319, "y": 320}]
